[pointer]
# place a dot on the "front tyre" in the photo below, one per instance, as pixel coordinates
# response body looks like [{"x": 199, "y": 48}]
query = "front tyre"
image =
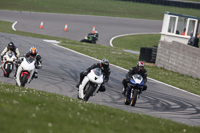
[
  {"x": 134, "y": 97},
  {"x": 24, "y": 80},
  {"x": 126, "y": 101},
  {"x": 89, "y": 92},
  {"x": 8, "y": 72},
  {"x": 7, "y": 75}
]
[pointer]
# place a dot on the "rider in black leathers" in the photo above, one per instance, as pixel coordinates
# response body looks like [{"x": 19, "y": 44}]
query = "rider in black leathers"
[
  {"x": 139, "y": 69},
  {"x": 104, "y": 66}
]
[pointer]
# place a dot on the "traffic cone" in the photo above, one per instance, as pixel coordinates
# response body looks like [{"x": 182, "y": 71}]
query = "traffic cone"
[
  {"x": 93, "y": 29},
  {"x": 41, "y": 25},
  {"x": 65, "y": 29}
]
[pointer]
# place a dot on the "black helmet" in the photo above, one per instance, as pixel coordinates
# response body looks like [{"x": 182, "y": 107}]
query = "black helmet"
[
  {"x": 104, "y": 63},
  {"x": 11, "y": 46},
  {"x": 33, "y": 51}
]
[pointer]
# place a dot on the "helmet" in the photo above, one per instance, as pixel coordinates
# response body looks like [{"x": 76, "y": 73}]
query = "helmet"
[
  {"x": 33, "y": 51},
  {"x": 104, "y": 63},
  {"x": 140, "y": 65},
  {"x": 11, "y": 45}
]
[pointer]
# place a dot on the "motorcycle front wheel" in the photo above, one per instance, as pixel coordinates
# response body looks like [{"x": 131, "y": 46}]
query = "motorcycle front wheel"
[
  {"x": 24, "y": 80},
  {"x": 134, "y": 97},
  {"x": 8, "y": 72},
  {"x": 126, "y": 101},
  {"x": 89, "y": 92}
]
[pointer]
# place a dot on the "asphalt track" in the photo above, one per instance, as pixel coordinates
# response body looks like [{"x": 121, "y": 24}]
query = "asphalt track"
[
  {"x": 61, "y": 68},
  {"x": 79, "y": 25}
]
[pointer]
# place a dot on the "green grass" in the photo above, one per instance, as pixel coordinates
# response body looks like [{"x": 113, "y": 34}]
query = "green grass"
[
  {"x": 114, "y": 8},
  {"x": 135, "y": 42},
  {"x": 31, "y": 111},
  {"x": 118, "y": 57},
  {"x": 24, "y": 110}
]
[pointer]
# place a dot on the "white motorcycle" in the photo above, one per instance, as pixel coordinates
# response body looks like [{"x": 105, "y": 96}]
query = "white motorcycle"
[
  {"x": 25, "y": 71},
  {"x": 8, "y": 62},
  {"x": 90, "y": 84}
]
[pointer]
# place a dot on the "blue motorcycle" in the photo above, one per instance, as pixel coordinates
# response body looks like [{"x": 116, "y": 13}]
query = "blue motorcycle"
[{"x": 134, "y": 89}]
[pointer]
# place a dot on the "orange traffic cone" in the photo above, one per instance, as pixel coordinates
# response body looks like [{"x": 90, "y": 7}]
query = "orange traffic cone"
[
  {"x": 65, "y": 29},
  {"x": 41, "y": 25},
  {"x": 93, "y": 29}
]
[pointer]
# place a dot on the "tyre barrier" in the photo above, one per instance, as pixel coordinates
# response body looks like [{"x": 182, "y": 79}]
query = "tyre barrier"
[
  {"x": 148, "y": 54},
  {"x": 182, "y": 4}
]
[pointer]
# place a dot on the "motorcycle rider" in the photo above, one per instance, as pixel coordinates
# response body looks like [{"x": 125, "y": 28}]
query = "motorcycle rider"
[
  {"x": 38, "y": 64},
  {"x": 12, "y": 48},
  {"x": 94, "y": 36},
  {"x": 139, "y": 69},
  {"x": 104, "y": 66}
]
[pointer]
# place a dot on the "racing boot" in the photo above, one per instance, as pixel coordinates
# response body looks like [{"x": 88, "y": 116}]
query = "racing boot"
[
  {"x": 102, "y": 88},
  {"x": 77, "y": 85},
  {"x": 123, "y": 91},
  {"x": 81, "y": 79},
  {"x": 35, "y": 75},
  {"x": 144, "y": 88},
  {"x": 15, "y": 74}
]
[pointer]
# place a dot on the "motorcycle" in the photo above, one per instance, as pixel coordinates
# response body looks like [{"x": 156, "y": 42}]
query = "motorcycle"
[
  {"x": 90, "y": 38},
  {"x": 25, "y": 71},
  {"x": 134, "y": 89},
  {"x": 8, "y": 62},
  {"x": 90, "y": 84}
]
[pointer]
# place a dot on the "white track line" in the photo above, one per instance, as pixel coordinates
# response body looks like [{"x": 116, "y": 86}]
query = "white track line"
[
  {"x": 52, "y": 41},
  {"x": 124, "y": 69},
  {"x": 128, "y": 35},
  {"x": 13, "y": 25}
]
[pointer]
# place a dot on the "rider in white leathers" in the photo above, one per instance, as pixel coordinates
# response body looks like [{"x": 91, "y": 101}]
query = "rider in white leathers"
[
  {"x": 10, "y": 47},
  {"x": 34, "y": 54}
]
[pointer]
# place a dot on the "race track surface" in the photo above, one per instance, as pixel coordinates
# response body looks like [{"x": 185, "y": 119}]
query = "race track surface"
[
  {"x": 61, "y": 68},
  {"x": 79, "y": 25}
]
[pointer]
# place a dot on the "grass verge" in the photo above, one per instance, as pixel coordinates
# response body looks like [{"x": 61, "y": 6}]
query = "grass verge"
[
  {"x": 135, "y": 42},
  {"x": 118, "y": 57},
  {"x": 26, "y": 110},
  {"x": 114, "y": 8}
]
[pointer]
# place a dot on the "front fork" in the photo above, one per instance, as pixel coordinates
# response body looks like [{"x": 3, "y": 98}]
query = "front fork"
[
  {"x": 130, "y": 93},
  {"x": 97, "y": 88}
]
